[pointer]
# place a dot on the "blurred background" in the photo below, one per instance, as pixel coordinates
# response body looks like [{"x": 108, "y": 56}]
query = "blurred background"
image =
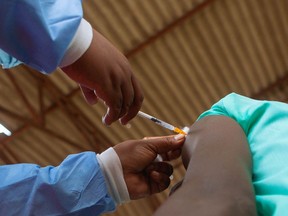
[{"x": 187, "y": 54}]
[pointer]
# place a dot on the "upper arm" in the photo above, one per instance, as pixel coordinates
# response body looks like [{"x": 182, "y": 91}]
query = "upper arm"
[
  {"x": 38, "y": 33},
  {"x": 219, "y": 171}
]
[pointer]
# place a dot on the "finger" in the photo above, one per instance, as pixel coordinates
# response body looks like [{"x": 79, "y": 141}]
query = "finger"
[
  {"x": 114, "y": 104},
  {"x": 89, "y": 95},
  {"x": 165, "y": 144},
  {"x": 161, "y": 167},
  {"x": 157, "y": 137},
  {"x": 136, "y": 103},
  {"x": 158, "y": 182},
  {"x": 128, "y": 98},
  {"x": 123, "y": 95},
  {"x": 171, "y": 155}
]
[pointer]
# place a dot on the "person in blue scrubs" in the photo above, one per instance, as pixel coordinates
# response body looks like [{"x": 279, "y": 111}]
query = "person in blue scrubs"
[
  {"x": 49, "y": 34},
  {"x": 45, "y": 35},
  {"x": 236, "y": 160},
  {"x": 88, "y": 184}
]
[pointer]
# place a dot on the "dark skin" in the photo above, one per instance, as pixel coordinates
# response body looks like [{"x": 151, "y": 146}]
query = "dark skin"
[
  {"x": 218, "y": 180},
  {"x": 104, "y": 73},
  {"x": 143, "y": 175}
]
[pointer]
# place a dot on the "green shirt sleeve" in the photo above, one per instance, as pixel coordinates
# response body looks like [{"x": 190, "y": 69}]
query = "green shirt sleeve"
[{"x": 265, "y": 124}]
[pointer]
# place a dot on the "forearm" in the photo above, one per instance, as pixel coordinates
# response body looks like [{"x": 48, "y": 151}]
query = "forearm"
[
  {"x": 76, "y": 185},
  {"x": 218, "y": 177}
]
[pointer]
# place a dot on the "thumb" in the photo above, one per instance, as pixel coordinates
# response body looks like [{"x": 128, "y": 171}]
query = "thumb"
[
  {"x": 89, "y": 95},
  {"x": 165, "y": 144}
]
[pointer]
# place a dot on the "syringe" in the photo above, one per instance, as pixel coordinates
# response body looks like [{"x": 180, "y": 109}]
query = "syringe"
[{"x": 161, "y": 123}]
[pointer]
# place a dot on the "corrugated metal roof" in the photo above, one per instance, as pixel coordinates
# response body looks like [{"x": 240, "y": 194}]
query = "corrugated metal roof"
[{"x": 187, "y": 54}]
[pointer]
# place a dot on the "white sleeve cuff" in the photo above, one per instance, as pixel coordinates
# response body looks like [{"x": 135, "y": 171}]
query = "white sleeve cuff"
[
  {"x": 79, "y": 44},
  {"x": 112, "y": 169}
]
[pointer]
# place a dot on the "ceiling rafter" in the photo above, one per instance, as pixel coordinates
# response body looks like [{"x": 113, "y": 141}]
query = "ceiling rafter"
[
  {"x": 72, "y": 112},
  {"x": 14, "y": 115},
  {"x": 168, "y": 28},
  {"x": 23, "y": 97},
  {"x": 84, "y": 125},
  {"x": 43, "y": 129},
  {"x": 69, "y": 110},
  {"x": 15, "y": 133},
  {"x": 28, "y": 124}
]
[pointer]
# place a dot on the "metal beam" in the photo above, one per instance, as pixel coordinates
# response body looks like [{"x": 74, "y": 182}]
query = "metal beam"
[{"x": 168, "y": 28}]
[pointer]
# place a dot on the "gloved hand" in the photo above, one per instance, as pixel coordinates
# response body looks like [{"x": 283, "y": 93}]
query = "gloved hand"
[
  {"x": 143, "y": 175},
  {"x": 103, "y": 72}
]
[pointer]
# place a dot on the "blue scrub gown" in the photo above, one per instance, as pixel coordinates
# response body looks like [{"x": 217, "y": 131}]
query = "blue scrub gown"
[
  {"x": 75, "y": 187},
  {"x": 37, "y": 33}
]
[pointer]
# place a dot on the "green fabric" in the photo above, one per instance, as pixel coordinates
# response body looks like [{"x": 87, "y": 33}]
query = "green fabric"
[{"x": 265, "y": 124}]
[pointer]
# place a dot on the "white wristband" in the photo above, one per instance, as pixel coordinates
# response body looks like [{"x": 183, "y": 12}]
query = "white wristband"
[
  {"x": 113, "y": 173},
  {"x": 79, "y": 44}
]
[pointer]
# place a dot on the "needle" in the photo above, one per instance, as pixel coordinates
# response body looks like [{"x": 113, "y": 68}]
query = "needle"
[{"x": 161, "y": 123}]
